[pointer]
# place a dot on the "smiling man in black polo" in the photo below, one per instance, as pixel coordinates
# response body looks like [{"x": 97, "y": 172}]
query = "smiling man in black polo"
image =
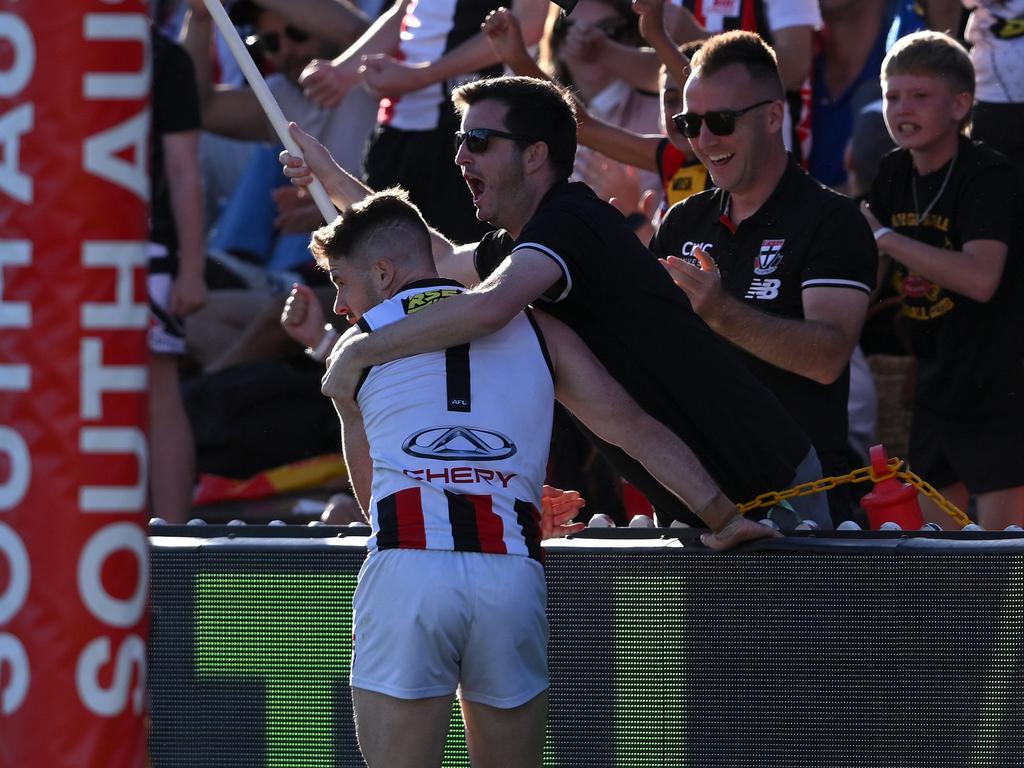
[{"x": 774, "y": 262}]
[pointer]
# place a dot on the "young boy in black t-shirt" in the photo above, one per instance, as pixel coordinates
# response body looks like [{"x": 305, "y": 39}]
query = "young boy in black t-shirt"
[{"x": 946, "y": 210}]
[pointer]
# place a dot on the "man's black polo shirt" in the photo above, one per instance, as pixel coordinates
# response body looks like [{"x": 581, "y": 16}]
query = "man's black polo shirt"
[
  {"x": 804, "y": 236},
  {"x": 620, "y": 300}
]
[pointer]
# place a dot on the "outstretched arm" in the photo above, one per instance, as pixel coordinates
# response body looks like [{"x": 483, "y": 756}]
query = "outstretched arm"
[
  {"x": 503, "y": 32},
  {"x": 326, "y": 82},
  {"x": 387, "y": 76},
  {"x": 233, "y": 112},
  {"x": 652, "y": 27},
  {"x": 181, "y": 153},
  {"x": 338, "y": 21},
  {"x": 584, "y": 386}
]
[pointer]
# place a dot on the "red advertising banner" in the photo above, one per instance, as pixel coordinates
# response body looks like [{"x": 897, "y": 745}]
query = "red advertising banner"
[{"x": 74, "y": 569}]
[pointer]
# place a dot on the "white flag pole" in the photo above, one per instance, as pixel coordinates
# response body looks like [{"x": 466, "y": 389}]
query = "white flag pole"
[{"x": 266, "y": 100}]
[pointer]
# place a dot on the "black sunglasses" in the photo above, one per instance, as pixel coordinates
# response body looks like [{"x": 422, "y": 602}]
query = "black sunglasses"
[
  {"x": 478, "y": 139},
  {"x": 270, "y": 42},
  {"x": 721, "y": 123}
]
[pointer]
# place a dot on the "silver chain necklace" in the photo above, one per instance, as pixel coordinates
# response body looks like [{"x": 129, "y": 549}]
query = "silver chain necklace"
[{"x": 913, "y": 189}]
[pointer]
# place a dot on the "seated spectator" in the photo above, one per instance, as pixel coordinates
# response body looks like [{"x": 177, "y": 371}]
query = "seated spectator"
[{"x": 265, "y": 221}]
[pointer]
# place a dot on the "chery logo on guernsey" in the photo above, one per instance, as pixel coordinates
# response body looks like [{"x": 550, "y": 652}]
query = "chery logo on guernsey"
[{"x": 448, "y": 443}]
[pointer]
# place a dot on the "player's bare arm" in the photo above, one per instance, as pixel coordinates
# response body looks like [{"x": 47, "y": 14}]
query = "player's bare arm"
[{"x": 584, "y": 386}]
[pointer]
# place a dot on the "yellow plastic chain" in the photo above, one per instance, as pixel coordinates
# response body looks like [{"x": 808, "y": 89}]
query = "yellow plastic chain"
[{"x": 861, "y": 475}]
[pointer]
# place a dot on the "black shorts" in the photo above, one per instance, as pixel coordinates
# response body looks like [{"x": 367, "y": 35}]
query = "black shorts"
[{"x": 985, "y": 457}]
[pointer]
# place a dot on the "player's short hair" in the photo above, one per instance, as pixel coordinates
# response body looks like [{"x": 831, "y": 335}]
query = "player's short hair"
[
  {"x": 931, "y": 53},
  {"x": 389, "y": 214},
  {"x": 749, "y": 50},
  {"x": 538, "y": 110}
]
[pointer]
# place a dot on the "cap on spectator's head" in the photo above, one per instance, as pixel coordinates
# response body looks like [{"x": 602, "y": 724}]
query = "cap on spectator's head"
[{"x": 244, "y": 13}]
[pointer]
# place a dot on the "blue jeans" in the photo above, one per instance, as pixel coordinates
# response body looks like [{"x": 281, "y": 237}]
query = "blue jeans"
[{"x": 246, "y": 225}]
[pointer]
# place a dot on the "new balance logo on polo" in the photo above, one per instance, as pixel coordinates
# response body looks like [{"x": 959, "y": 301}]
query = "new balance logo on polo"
[{"x": 763, "y": 290}]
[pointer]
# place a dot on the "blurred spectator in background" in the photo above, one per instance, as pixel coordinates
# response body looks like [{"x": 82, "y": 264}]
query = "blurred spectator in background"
[
  {"x": 853, "y": 41},
  {"x": 666, "y": 153},
  {"x": 176, "y": 287},
  {"x": 282, "y": 40},
  {"x": 412, "y": 57},
  {"x": 574, "y": 53},
  {"x": 788, "y": 26},
  {"x": 265, "y": 222},
  {"x": 995, "y": 30}
]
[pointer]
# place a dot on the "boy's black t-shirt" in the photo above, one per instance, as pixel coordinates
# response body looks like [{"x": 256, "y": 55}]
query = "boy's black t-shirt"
[
  {"x": 620, "y": 300},
  {"x": 969, "y": 353}
]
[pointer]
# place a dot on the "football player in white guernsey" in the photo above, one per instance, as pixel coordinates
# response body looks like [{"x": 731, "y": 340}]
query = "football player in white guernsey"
[{"x": 452, "y": 593}]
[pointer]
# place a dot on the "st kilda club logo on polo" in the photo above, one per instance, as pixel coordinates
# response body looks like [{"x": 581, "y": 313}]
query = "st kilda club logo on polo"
[
  {"x": 769, "y": 256},
  {"x": 456, "y": 442}
]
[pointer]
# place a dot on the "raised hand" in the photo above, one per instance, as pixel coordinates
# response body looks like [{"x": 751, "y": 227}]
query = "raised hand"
[
  {"x": 652, "y": 18},
  {"x": 702, "y": 284},
  {"x": 326, "y": 83},
  {"x": 387, "y": 77},
  {"x": 557, "y": 510},
  {"x": 316, "y": 161},
  {"x": 302, "y": 318},
  {"x": 505, "y": 35}
]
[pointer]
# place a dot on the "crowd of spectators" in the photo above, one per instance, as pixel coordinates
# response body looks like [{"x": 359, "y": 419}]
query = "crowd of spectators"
[{"x": 774, "y": 256}]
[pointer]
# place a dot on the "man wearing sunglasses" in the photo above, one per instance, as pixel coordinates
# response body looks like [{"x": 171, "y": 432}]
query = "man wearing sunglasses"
[
  {"x": 575, "y": 256},
  {"x": 771, "y": 260},
  {"x": 447, "y": 453}
]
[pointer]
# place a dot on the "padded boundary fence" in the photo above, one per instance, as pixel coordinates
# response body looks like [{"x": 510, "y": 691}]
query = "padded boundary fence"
[{"x": 864, "y": 650}]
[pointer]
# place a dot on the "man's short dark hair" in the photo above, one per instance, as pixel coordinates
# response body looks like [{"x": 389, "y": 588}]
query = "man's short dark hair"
[
  {"x": 387, "y": 213},
  {"x": 749, "y": 50},
  {"x": 537, "y": 110}
]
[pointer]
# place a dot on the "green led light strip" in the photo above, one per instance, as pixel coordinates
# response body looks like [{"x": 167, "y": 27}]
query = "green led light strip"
[
  {"x": 650, "y": 697},
  {"x": 293, "y": 633}
]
